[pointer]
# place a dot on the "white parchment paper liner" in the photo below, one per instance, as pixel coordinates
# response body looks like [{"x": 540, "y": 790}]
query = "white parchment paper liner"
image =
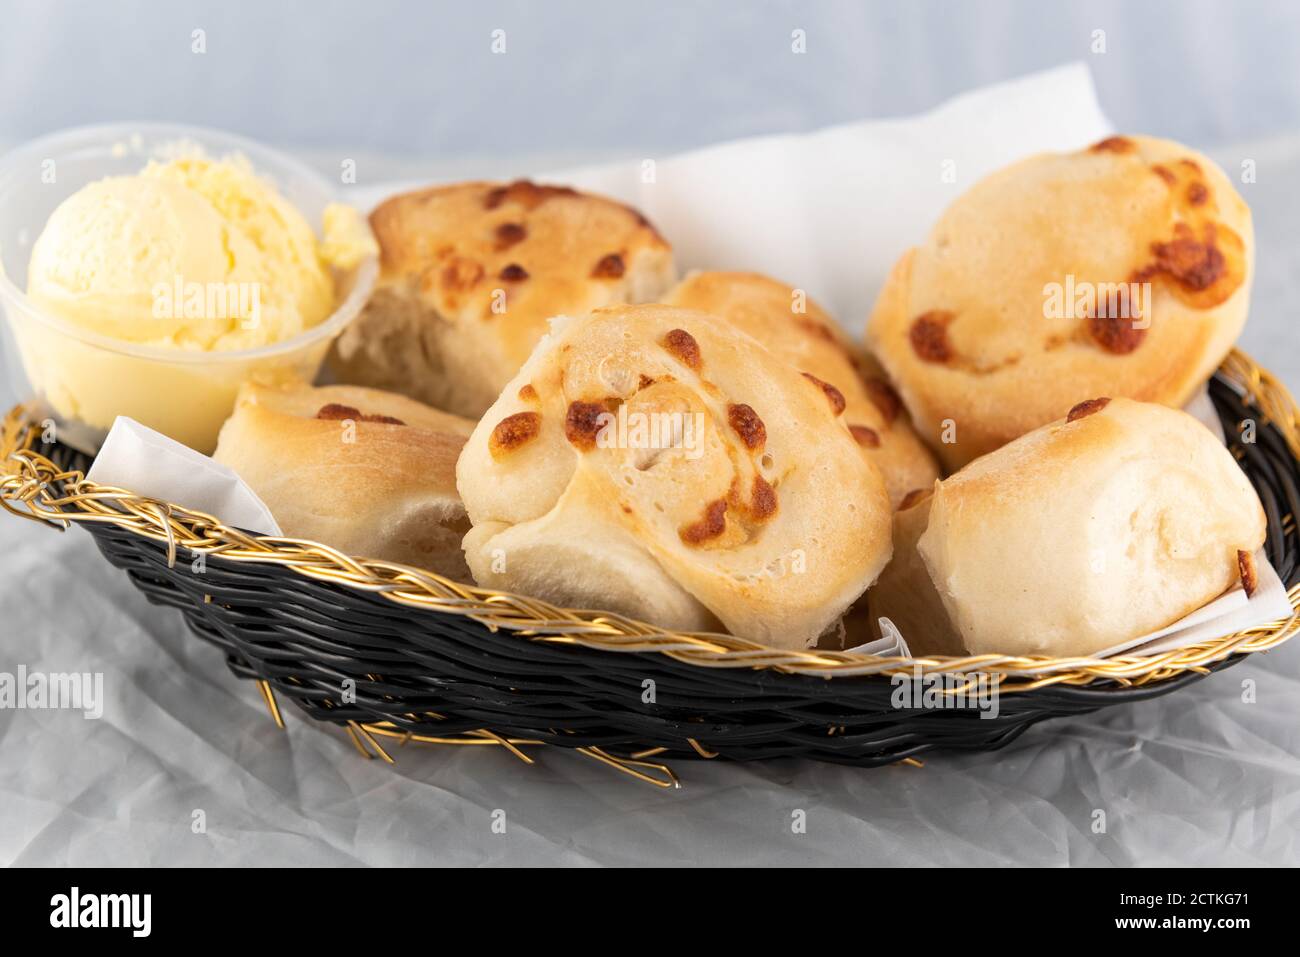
[{"x": 141, "y": 460}]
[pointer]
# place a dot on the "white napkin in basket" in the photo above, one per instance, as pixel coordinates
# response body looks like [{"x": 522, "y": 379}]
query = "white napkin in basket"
[{"x": 136, "y": 457}]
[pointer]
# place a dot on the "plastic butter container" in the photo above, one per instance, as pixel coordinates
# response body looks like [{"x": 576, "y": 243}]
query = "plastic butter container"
[{"x": 83, "y": 379}]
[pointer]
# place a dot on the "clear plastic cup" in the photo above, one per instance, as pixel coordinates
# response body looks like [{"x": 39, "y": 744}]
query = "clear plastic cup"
[{"x": 84, "y": 380}]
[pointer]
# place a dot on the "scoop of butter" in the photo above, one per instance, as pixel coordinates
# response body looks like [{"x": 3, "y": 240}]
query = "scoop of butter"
[
  {"x": 191, "y": 253},
  {"x": 194, "y": 255}
]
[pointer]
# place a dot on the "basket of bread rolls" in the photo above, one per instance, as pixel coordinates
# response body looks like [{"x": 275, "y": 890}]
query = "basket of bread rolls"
[{"x": 548, "y": 490}]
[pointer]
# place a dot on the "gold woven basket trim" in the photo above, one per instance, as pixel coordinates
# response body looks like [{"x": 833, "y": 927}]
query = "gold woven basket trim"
[{"x": 28, "y": 480}]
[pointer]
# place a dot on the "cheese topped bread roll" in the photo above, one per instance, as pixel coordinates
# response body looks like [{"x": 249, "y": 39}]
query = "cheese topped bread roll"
[
  {"x": 1123, "y": 270},
  {"x": 659, "y": 463},
  {"x": 794, "y": 327},
  {"x": 471, "y": 273}
]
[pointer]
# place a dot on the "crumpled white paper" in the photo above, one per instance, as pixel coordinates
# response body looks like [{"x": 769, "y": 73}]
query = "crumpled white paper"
[
  {"x": 141, "y": 460},
  {"x": 890, "y": 644}
]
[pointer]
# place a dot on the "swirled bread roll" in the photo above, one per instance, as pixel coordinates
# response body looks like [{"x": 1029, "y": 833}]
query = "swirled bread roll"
[
  {"x": 1101, "y": 527},
  {"x": 471, "y": 273},
  {"x": 658, "y": 463},
  {"x": 794, "y": 327},
  {"x": 1030, "y": 293},
  {"x": 370, "y": 473}
]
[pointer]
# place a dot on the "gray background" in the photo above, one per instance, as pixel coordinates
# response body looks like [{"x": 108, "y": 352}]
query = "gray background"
[
  {"x": 419, "y": 80},
  {"x": 1201, "y": 777}
]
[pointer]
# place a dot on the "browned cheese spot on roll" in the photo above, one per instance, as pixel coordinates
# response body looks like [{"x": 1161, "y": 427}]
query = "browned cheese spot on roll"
[
  {"x": 514, "y": 431},
  {"x": 1165, "y": 173},
  {"x": 1203, "y": 264},
  {"x": 865, "y": 436},
  {"x": 609, "y": 267},
  {"x": 1197, "y": 194},
  {"x": 509, "y": 234},
  {"x": 334, "y": 411},
  {"x": 1115, "y": 334},
  {"x": 1114, "y": 144},
  {"x": 1087, "y": 407},
  {"x": 762, "y": 500},
  {"x": 582, "y": 424},
  {"x": 525, "y": 193},
  {"x": 929, "y": 336},
  {"x": 1246, "y": 569},
  {"x": 914, "y": 497},
  {"x": 527, "y": 393},
  {"x": 884, "y": 398},
  {"x": 683, "y": 347},
  {"x": 746, "y": 424},
  {"x": 1189, "y": 261},
  {"x": 711, "y": 524},
  {"x": 833, "y": 395}
]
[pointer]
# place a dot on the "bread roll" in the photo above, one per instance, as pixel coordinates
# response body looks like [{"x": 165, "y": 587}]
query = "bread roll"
[
  {"x": 794, "y": 327},
  {"x": 1088, "y": 532},
  {"x": 1018, "y": 304},
  {"x": 370, "y": 473},
  {"x": 659, "y": 463},
  {"x": 471, "y": 273}
]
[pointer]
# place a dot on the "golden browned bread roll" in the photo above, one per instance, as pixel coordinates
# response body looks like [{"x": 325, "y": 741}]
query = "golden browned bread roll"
[
  {"x": 1088, "y": 532},
  {"x": 794, "y": 327},
  {"x": 470, "y": 274},
  {"x": 1029, "y": 294},
  {"x": 370, "y": 473},
  {"x": 659, "y": 463}
]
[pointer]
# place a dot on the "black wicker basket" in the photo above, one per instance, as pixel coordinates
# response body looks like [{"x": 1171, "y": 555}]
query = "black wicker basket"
[{"x": 388, "y": 652}]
